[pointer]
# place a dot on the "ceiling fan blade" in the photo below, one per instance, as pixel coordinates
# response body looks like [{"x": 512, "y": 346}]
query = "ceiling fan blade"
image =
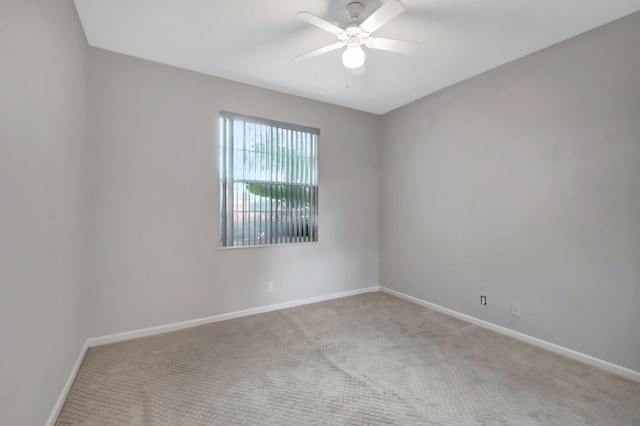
[
  {"x": 320, "y": 51},
  {"x": 389, "y": 10},
  {"x": 319, "y": 22},
  {"x": 381, "y": 43},
  {"x": 359, "y": 72}
]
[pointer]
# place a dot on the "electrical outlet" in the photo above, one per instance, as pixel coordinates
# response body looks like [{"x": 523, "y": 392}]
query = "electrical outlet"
[
  {"x": 515, "y": 309},
  {"x": 483, "y": 300},
  {"x": 270, "y": 287}
]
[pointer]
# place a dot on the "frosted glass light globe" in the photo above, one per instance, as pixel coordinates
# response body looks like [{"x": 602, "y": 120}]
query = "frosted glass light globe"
[{"x": 353, "y": 57}]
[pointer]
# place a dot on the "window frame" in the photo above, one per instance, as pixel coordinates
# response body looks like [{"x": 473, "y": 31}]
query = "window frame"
[{"x": 226, "y": 209}]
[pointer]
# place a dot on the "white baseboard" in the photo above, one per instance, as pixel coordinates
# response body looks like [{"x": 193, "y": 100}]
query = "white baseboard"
[
  {"x": 569, "y": 353},
  {"x": 144, "y": 332},
  {"x": 67, "y": 386}
]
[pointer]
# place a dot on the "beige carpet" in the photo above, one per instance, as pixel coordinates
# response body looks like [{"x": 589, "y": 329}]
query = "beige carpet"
[{"x": 363, "y": 360}]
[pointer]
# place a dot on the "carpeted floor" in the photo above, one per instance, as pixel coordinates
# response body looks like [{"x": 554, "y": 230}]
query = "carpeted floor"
[{"x": 363, "y": 360}]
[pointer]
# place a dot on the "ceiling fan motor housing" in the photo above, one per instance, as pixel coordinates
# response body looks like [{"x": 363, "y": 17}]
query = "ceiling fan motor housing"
[{"x": 354, "y": 10}]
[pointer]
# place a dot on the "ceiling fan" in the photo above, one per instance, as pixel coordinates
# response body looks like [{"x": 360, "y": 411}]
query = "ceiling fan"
[{"x": 356, "y": 35}]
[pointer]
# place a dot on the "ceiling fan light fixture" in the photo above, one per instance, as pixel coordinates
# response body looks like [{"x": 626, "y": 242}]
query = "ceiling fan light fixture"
[
  {"x": 355, "y": 33},
  {"x": 353, "y": 57}
]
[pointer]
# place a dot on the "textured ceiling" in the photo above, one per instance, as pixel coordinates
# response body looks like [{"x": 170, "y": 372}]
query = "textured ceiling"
[{"x": 255, "y": 41}]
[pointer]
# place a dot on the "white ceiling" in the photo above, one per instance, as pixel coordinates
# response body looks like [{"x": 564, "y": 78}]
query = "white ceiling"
[{"x": 255, "y": 41}]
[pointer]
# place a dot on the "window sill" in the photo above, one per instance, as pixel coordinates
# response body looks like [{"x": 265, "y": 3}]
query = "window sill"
[{"x": 309, "y": 243}]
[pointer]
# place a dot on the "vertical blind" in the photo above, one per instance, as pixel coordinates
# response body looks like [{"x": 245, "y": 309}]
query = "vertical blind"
[{"x": 268, "y": 182}]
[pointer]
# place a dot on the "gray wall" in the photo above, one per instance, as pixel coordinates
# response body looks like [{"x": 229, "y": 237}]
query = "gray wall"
[
  {"x": 43, "y": 317},
  {"x": 155, "y": 198},
  {"x": 523, "y": 184}
]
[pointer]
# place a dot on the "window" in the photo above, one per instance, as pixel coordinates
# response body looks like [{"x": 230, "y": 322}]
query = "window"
[{"x": 268, "y": 182}]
